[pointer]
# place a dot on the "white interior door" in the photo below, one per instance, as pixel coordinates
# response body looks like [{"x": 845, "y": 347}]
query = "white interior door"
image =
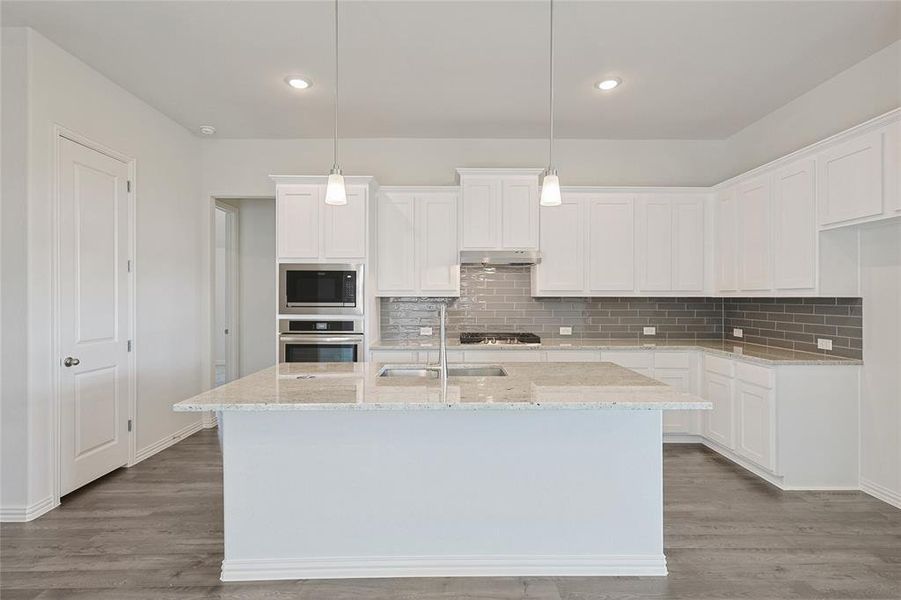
[{"x": 94, "y": 314}]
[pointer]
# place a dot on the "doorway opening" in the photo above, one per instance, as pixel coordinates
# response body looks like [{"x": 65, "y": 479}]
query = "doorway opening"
[{"x": 225, "y": 281}]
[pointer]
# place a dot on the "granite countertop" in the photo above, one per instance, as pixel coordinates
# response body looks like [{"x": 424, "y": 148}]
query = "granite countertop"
[
  {"x": 766, "y": 355},
  {"x": 529, "y": 386}
]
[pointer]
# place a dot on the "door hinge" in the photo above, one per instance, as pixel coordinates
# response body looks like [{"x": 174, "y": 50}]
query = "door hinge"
[
  {"x": 129, "y": 265},
  {"x": 128, "y": 185},
  {"x": 129, "y": 424},
  {"x": 129, "y": 345}
]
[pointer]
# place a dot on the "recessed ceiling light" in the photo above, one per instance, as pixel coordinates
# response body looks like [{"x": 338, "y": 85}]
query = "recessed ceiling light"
[
  {"x": 207, "y": 129},
  {"x": 608, "y": 84},
  {"x": 298, "y": 83}
]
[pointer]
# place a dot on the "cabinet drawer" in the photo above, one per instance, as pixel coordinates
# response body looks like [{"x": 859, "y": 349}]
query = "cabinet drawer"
[
  {"x": 574, "y": 356},
  {"x": 762, "y": 376},
  {"x": 501, "y": 356},
  {"x": 672, "y": 360},
  {"x": 631, "y": 359},
  {"x": 715, "y": 364}
]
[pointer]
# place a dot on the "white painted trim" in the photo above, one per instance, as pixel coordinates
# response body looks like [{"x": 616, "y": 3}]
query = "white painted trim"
[
  {"x": 420, "y": 189},
  {"x": 601, "y": 189},
  {"x": 22, "y": 514},
  {"x": 807, "y": 151},
  {"x": 741, "y": 462},
  {"x": 164, "y": 443},
  {"x": 60, "y": 132},
  {"x": 682, "y": 438},
  {"x": 349, "y": 567},
  {"x": 210, "y": 420},
  {"x": 880, "y": 492},
  {"x": 320, "y": 180}
]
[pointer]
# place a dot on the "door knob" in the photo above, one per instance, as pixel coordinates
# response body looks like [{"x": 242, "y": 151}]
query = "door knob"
[{"x": 71, "y": 362}]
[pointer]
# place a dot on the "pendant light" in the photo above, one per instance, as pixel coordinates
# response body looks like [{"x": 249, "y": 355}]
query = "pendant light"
[
  {"x": 550, "y": 187},
  {"x": 335, "y": 193}
]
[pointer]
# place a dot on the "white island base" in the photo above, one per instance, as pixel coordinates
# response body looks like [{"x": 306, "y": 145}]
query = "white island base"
[{"x": 415, "y": 493}]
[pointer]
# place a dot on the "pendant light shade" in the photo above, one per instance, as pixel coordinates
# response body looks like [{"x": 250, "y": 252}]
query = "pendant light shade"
[
  {"x": 335, "y": 193},
  {"x": 550, "y": 189}
]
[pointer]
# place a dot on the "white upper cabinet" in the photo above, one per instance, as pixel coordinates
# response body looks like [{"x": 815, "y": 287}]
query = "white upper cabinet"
[
  {"x": 655, "y": 241},
  {"x": 307, "y": 229},
  {"x": 850, "y": 179},
  {"x": 754, "y": 250},
  {"x": 563, "y": 258},
  {"x": 726, "y": 252},
  {"x": 297, "y": 219},
  {"x": 611, "y": 243},
  {"x": 891, "y": 162},
  {"x": 417, "y": 242},
  {"x": 794, "y": 227},
  {"x": 396, "y": 240},
  {"x": 499, "y": 209},
  {"x": 688, "y": 244},
  {"x": 344, "y": 227},
  {"x": 436, "y": 244},
  {"x": 671, "y": 243}
]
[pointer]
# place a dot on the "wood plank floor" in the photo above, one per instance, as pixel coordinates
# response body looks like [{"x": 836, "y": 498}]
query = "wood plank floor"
[{"x": 155, "y": 531}]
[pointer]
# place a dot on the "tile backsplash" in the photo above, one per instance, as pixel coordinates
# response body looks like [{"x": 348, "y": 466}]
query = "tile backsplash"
[
  {"x": 499, "y": 299},
  {"x": 796, "y": 323}
]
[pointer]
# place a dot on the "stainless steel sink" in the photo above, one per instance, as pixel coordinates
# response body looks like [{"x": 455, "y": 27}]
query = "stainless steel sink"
[
  {"x": 434, "y": 372},
  {"x": 476, "y": 371}
]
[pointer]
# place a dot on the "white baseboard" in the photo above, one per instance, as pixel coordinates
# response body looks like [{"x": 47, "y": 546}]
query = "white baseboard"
[
  {"x": 21, "y": 514},
  {"x": 167, "y": 441},
  {"x": 350, "y": 567},
  {"x": 881, "y": 492},
  {"x": 209, "y": 420},
  {"x": 682, "y": 438},
  {"x": 754, "y": 469}
]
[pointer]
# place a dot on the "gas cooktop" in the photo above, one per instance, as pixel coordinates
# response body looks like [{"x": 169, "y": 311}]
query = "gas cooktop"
[{"x": 499, "y": 338}]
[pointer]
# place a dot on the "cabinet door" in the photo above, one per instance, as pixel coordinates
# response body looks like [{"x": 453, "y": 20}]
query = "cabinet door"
[
  {"x": 756, "y": 432},
  {"x": 655, "y": 244},
  {"x": 794, "y": 227},
  {"x": 891, "y": 167},
  {"x": 344, "y": 227},
  {"x": 849, "y": 180},
  {"x": 688, "y": 245},
  {"x": 726, "y": 242},
  {"x": 754, "y": 256},
  {"x": 676, "y": 421},
  {"x": 297, "y": 234},
  {"x": 396, "y": 244},
  {"x": 718, "y": 422},
  {"x": 436, "y": 244},
  {"x": 519, "y": 213},
  {"x": 611, "y": 244},
  {"x": 480, "y": 214},
  {"x": 562, "y": 267}
]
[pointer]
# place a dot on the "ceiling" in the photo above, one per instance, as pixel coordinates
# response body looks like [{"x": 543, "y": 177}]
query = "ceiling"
[{"x": 458, "y": 69}]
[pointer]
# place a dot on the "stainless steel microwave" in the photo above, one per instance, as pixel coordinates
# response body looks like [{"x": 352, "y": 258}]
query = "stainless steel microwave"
[{"x": 316, "y": 289}]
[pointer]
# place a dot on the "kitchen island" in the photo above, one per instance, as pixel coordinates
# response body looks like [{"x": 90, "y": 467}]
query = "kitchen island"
[{"x": 333, "y": 471}]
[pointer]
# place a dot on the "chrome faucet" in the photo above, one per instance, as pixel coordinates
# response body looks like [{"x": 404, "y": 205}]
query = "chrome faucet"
[{"x": 442, "y": 348}]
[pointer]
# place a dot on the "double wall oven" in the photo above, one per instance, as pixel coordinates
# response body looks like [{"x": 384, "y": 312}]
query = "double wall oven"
[{"x": 320, "y": 313}]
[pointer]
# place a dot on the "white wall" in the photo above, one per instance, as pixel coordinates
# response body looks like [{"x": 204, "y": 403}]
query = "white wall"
[
  {"x": 63, "y": 90},
  {"x": 13, "y": 273},
  {"x": 880, "y": 402},
  {"x": 863, "y": 91},
  {"x": 257, "y": 312}
]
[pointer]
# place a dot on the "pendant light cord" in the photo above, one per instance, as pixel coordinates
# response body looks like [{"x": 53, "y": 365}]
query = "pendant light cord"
[
  {"x": 336, "y": 85},
  {"x": 550, "y": 151}
]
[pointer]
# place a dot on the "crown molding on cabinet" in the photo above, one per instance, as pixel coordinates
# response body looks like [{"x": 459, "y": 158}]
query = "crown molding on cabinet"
[
  {"x": 419, "y": 189},
  {"x": 599, "y": 189},
  {"x": 321, "y": 179},
  {"x": 498, "y": 171},
  {"x": 808, "y": 151}
]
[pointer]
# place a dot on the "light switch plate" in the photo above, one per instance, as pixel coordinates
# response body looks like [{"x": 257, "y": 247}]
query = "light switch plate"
[
  {"x": 650, "y": 331},
  {"x": 824, "y": 344},
  {"x": 736, "y": 332},
  {"x": 425, "y": 331},
  {"x": 566, "y": 331}
]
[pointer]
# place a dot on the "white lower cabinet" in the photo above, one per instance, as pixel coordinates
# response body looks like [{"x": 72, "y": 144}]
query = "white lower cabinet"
[
  {"x": 755, "y": 416},
  {"x": 718, "y": 422}
]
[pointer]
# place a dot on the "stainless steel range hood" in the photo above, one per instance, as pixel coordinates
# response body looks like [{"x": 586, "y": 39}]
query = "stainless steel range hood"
[{"x": 500, "y": 257}]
